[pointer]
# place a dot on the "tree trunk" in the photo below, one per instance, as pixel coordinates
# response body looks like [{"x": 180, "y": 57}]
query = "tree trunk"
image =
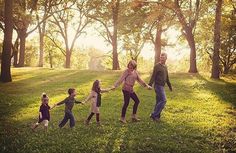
[
  {"x": 68, "y": 57},
  {"x": 15, "y": 52},
  {"x": 15, "y": 58},
  {"x": 22, "y": 35},
  {"x": 188, "y": 33},
  {"x": 157, "y": 46},
  {"x": 50, "y": 59},
  {"x": 191, "y": 43},
  {"x": 215, "y": 71},
  {"x": 41, "y": 43},
  {"x": 135, "y": 58},
  {"x": 115, "y": 10},
  {"x": 7, "y": 43},
  {"x": 226, "y": 69}
]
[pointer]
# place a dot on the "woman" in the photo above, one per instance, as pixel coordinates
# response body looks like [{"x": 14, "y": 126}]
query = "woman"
[{"x": 129, "y": 77}]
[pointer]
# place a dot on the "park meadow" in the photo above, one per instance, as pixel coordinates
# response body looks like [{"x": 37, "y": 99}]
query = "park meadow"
[
  {"x": 52, "y": 48},
  {"x": 199, "y": 116}
]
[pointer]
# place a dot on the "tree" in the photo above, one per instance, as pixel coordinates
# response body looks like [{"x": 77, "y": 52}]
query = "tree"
[
  {"x": 63, "y": 20},
  {"x": 15, "y": 45},
  {"x": 187, "y": 13},
  {"x": 7, "y": 43},
  {"x": 44, "y": 11},
  {"x": 228, "y": 38},
  {"x": 22, "y": 19},
  {"x": 215, "y": 72},
  {"x": 106, "y": 12},
  {"x": 53, "y": 56},
  {"x": 161, "y": 19},
  {"x": 15, "y": 50},
  {"x": 134, "y": 29}
]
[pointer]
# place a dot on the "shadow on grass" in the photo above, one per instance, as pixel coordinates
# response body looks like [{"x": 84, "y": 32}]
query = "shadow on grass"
[
  {"x": 225, "y": 90},
  {"x": 21, "y": 94},
  {"x": 145, "y": 136}
]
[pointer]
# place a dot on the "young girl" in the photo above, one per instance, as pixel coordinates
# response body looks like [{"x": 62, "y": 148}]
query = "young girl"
[
  {"x": 44, "y": 115},
  {"x": 95, "y": 97}
]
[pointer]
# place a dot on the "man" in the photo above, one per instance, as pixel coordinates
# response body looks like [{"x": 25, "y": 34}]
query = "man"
[{"x": 159, "y": 78}]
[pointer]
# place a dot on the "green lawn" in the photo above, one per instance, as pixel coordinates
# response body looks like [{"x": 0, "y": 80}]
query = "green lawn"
[{"x": 199, "y": 116}]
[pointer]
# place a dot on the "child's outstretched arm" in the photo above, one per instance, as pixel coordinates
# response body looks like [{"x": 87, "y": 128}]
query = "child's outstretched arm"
[
  {"x": 78, "y": 102},
  {"x": 107, "y": 90},
  {"x": 87, "y": 99},
  {"x": 57, "y": 104}
]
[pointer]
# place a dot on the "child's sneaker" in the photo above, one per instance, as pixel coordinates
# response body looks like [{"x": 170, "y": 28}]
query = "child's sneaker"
[{"x": 99, "y": 124}]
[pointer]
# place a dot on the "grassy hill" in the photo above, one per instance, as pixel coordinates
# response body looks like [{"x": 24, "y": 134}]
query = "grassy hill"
[{"x": 199, "y": 116}]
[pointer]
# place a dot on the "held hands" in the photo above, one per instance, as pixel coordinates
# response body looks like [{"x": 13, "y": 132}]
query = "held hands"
[
  {"x": 149, "y": 87},
  {"x": 113, "y": 88},
  {"x": 53, "y": 106}
]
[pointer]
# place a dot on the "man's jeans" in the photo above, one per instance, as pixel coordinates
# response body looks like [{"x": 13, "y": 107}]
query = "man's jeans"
[
  {"x": 68, "y": 116},
  {"x": 160, "y": 101}
]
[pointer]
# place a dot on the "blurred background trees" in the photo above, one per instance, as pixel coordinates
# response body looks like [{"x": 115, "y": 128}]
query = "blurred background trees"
[{"x": 199, "y": 36}]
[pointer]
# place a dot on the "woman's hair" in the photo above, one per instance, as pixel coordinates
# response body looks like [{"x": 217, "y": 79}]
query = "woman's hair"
[
  {"x": 44, "y": 97},
  {"x": 133, "y": 64},
  {"x": 96, "y": 87}
]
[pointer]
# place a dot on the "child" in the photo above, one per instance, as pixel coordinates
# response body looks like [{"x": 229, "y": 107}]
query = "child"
[
  {"x": 44, "y": 115},
  {"x": 69, "y": 103},
  {"x": 95, "y": 97}
]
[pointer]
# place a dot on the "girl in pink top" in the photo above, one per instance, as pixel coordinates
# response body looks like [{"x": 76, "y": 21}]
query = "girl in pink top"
[
  {"x": 95, "y": 97},
  {"x": 128, "y": 79}
]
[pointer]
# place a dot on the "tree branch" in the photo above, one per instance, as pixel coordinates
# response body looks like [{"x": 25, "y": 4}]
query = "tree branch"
[
  {"x": 49, "y": 15},
  {"x": 56, "y": 45},
  {"x": 105, "y": 26}
]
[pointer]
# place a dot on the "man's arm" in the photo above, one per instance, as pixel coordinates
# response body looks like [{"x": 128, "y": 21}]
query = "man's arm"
[
  {"x": 154, "y": 73},
  {"x": 168, "y": 82}
]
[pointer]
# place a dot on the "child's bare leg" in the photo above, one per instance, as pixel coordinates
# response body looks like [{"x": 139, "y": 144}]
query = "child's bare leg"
[
  {"x": 35, "y": 126},
  {"x": 46, "y": 128},
  {"x": 46, "y": 125}
]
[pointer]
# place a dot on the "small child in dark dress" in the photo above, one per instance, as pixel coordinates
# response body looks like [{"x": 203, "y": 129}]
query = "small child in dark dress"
[{"x": 44, "y": 115}]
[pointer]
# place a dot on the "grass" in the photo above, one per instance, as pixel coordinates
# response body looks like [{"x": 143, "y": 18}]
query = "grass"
[{"x": 199, "y": 116}]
